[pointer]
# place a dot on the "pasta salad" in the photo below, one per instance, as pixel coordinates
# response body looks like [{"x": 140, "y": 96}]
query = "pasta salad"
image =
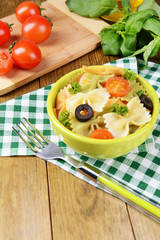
[{"x": 103, "y": 103}]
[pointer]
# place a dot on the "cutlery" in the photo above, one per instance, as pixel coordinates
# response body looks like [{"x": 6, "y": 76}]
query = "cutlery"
[{"x": 47, "y": 150}]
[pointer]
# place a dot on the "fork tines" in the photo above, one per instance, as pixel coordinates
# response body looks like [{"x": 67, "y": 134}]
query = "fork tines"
[{"x": 46, "y": 140}]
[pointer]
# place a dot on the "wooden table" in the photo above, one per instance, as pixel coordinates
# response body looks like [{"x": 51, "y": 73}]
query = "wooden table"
[{"x": 41, "y": 201}]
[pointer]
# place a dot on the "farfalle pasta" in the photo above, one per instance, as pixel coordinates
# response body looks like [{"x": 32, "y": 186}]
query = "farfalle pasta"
[
  {"x": 119, "y": 125},
  {"x": 91, "y": 81},
  {"x": 61, "y": 98},
  {"x": 103, "y": 103},
  {"x": 96, "y": 98}
]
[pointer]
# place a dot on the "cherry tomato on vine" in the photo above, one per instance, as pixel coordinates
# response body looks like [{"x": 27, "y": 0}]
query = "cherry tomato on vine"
[
  {"x": 101, "y": 133},
  {"x": 117, "y": 86},
  {"x": 36, "y": 28},
  {"x": 4, "y": 32},
  {"x": 26, "y": 54},
  {"x": 6, "y": 62},
  {"x": 26, "y": 9}
]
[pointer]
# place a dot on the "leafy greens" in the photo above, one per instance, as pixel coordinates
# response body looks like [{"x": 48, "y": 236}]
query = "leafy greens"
[
  {"x": 130, "y": 31},
  {"x": 135, "y": 33},
  {"x": 120, "y": 110},
  {"x": 64, "y": 118},
  {"x": 92, "y": 8},
  {"x": 75, "y": 88}
]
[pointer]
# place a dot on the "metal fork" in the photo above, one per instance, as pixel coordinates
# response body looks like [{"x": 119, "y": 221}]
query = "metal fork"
[
  {"x": 45, "y": 149},
  {"x": 49, "y": 151}
]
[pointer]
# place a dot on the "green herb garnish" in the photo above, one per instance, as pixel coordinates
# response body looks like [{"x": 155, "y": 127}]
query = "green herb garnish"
[
  {"x": 64, "y": 118},
  {"x": 120, "y": 110},
  {"x": 75, "y": 88},
  {"x": 140, "y": 92},
  {"x": 131, "y": 76}
]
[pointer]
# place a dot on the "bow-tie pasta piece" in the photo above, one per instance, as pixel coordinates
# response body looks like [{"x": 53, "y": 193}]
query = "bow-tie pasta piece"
[
  {"x": 61, "y": 98},
  {"x": 119, "y": 125},
  {"x": 137, "y": 114},
  {"x": 85, "y": 128},
  {"x": 116, "y": 124},
  {"x": 104, "y": 70},
  {"x": 96, "y": 98},
  {"x": 91, "y": 81},
  {"x": 135, "y": 88}
]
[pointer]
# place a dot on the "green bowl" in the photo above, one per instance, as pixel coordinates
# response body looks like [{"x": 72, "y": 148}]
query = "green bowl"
[{"x": 98, "y": 148}]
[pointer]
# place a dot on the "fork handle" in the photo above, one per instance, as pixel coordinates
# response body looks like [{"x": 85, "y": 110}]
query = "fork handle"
[
  {"x": 89, "y": 171},
  {"x": 120, "y": 191}
]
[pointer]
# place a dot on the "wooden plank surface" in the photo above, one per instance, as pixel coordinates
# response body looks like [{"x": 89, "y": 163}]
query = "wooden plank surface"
[
  {"x": 24, "y": 201},
  {"x": 89, "y": 217},
  {"x": 39, "y": 201},
  {"x": 68, "y": 40},
  {"x": 144, "y": 227}
]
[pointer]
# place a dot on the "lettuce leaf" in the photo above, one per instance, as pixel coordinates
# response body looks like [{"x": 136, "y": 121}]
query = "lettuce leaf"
[{"x": 92, "y": 8}]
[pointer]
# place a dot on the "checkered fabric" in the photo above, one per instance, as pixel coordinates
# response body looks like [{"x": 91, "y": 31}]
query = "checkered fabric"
[{"x": 139, "y": 170}]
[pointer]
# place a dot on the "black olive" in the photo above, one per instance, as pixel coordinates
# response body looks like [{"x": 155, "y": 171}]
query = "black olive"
[
  {"x": 83, "y": 112},
  {"x": 146, "y": 102}
]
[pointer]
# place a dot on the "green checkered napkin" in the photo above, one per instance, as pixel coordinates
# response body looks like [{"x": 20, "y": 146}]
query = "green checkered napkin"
[{"x": 139, "y": 170}]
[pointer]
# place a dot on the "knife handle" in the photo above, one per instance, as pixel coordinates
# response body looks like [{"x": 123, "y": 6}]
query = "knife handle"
[{"x": 127, "y": 196}]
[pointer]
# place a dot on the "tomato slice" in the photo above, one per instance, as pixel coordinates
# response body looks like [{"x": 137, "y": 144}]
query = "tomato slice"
[
  {"x": 101, "y": 133},
  {"x": 117, "y": 86},
  {"x": 6, "y": 62}
]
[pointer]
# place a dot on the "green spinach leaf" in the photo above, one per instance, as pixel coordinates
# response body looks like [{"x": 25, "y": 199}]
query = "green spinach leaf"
[
  {"x": 111, "y": 42},
  {"x": 155, "y": 47},
  {"x": 129, "y": 43},
  {"x": 152, "y": 25},
  {"x": 149, "y": 4},
  {"x": 146, "y": 4},
  {"x": 92, "y": 8},
  {"x": 149, "y": 50},
  {"x": 126, "y": 6},
  {"x": 136, "y": 20}
]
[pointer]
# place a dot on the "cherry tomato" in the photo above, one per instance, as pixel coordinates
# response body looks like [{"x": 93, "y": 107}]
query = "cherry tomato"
[
  {"x": 25, "y": 10},
  {"x": 6, "y": 62},
  {"x": 26, "y": 54},
  {"x": 36, "y": 28},
  {"x": 117, "y": 86},
  {"x": 101, "y": 133},
  {"x": 4, "y": 33}
]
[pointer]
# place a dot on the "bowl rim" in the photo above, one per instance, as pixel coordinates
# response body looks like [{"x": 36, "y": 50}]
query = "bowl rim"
[{"x": 67, "y": 77}]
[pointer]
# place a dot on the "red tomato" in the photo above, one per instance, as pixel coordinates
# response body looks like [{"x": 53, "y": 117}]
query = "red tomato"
[
  {"x": 36, "y": 28},
  {"x": 101, "y": 134},
  {"x": 26, "y": 54},
  {"x": 6, "y": 62},
  {"x": 25, "y": 10},
  {"x": 117, "y": 86},
  {"x": 4, "y": 33}
]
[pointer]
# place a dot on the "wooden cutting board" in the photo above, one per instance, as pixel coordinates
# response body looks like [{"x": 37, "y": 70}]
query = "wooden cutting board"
[{"x": 72, "y": 36}]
